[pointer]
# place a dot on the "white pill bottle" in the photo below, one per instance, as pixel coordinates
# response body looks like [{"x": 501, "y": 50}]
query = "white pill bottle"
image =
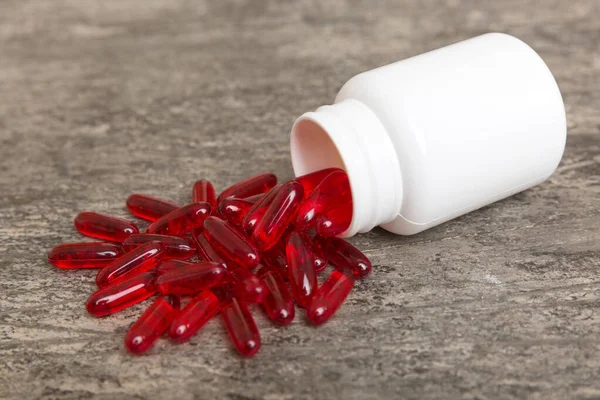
[{"x": 432, "y": 137}]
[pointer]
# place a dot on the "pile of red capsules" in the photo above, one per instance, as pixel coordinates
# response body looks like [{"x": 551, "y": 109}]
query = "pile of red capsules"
[{"x": 257, "y": 243}]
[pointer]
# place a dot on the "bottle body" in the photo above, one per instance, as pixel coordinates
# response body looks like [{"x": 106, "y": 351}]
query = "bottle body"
[{"x": 455, "y": 129}]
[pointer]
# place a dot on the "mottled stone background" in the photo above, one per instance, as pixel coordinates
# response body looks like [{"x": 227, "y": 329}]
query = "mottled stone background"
[{"x": 99, "y": 99}]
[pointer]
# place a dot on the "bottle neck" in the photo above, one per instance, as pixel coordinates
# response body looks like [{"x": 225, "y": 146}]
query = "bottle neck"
[{"x": 349, "y": 135}]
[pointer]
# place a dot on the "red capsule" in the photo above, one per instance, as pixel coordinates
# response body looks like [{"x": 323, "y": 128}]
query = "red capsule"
[
  {"x": 207, "y": 253},
  {"x": 84, "y": 255},
  {"x": 114, "y": 298},
  {"x": 249, "y": 187},
  {"x": 175, "y": 247},
  {"x": 335, "y": 221},
  {"x": 204, "y": 192},
  {"x": 249, "y": 288},
  {"x": 255, "y": 198},
  {"x": 303, "y": 275},
  {"x": 278, "y": 302},
  {"x": 278, "y": 215},
  {"x": 241, "y": 328},
  {"x": 330, "y": 296},
  {"x": 148, "y": 207},
  {"x": 169, "y": 265},
  {"x": 310, "y": 181},
  {"x": 256, "y": 212},
  {"x": 181, "y": 220},
  {"x": 234, "y": 210},
  {"x": 152, "y": 324},
  {"x": 191, "y": 279},
  {"x": 142, "y": 259},
  {"x": 276, "y": 260},
  {"x": 229, "y": 243},
  {"x": 332, "y": 192},
  {"x": 104, "y": 226},
  {"x": 201, "y": 309},
  {"x": 344, "y": 255}
]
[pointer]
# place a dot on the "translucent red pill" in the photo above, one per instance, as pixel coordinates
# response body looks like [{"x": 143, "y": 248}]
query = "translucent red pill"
[
  {"x": 104, "y": 227},
  {"x": 204, "y": 191},
  {"x": 114, "y": 298},
  {"x": 330, "y": 296},
  {"x": 141, "y": 259},
  {"x": 342, "y": 254},
  {"x": 334, "y": 222},
  {"x": 84, "y": 255},
  {"x": 248, "y": 287},
  {"x": 278, "y": 302},
  {"x": 302, "y": 272},
  {"x": 175, "y": 247},
  {"x": 241, "y": 328},
  {"x": 230, "y": 244},
  {"x": 152, "y": 324},
  {"x": 255, "y": 213},
  {"x": 206, "y": 252},
  {"x": 234, "y": 210},
  {"x": 249, "y": 187},
  {"x": 148, "y": 207},
  {"x": 278, "y": 216},
  {"x": 190, "y": 279},
  {"x": 201, "y": 309},
  {"x": 182, "y": 220},
  {"x": 310, "y": 181}
]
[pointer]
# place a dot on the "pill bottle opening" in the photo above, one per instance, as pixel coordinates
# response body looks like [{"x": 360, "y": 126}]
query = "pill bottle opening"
[{"x": 312, "y": 149}]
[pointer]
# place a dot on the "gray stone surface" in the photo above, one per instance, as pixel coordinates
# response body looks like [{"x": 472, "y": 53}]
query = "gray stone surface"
[{"x": 103, "y": 99}]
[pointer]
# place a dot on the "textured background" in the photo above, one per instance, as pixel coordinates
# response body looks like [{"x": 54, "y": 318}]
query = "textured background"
[{"x": 103, "y": 99}]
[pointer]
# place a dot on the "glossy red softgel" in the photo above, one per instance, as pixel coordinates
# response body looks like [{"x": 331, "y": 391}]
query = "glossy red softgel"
[
  {"x": 141, "y": 259},
  {"x": 234, "y": 210},
  {"x": 248, "y": 287},
  {"x": 310, "y": 181},
  {"x": 104, "y": 227},
  {"x": 249, "y": 187},
  {"x": 303, "y": 275},
  {"x": 256, "y": 212},
  {"x": 342, "y": 254},
  {"x": 84, "y": 255},
  {"x": 152, "y": 324},
  {"x": 241, "y": 328},
  {"x": 335, "y": 221},
  {"x": 330, "y": 296},
  {"x": 114, "y": 298},
  {"x": 175, "y": 247},
  {"x": 190, "y": 279},
  {"x": 229, "y": 243},
  {"x": 182, "y": 220},
  {"x": 204, "y": 191},
  {"x": 201, "y": 309},
  {"x": 148, "y": 207},
  {"x": 278, "y": 302}
]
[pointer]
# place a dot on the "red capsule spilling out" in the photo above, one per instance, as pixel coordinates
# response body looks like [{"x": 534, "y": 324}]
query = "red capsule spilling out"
[
  {"x": 310, "y": 181},
  {"x": 204, "y": 191},
  {"x": 114, "y": 298},
  {"x": 230, "y": 244},
  {"x": 152, "y": 324},
  {"x": 241, "y": 328},
  {"x": 249, "y": 288},
  {"x": 278, "y": 302},
  {"x": 335, "y": 221},
  {"x": 234, "y": 210},
  {"x": 168, "y": 265},
  {"x": 84, "y": 255},
  {"x": 201, "y": 309},
  {"x": 249, "y": 187},
  {"x": 104, "y": 226},
  {"x": 330, "y": 296},
  {"x": 278, "y": 216},
  {"x": 142, "y": 259},
  {"x": 302, "y": 272},
  {"x": 191, "y": 279},
  {"x": 255, "y": 213},
  {"x": 343, "y": 255},
  {"x": 182, "y": 220},
  {"x": 175, "y": 247},
  {"x": 148, "y": 207}
]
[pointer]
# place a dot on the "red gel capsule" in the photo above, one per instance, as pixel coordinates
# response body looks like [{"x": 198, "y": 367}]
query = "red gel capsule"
[
  {"x": 256, "y": 212},
  {"x": 276, "y": 260},
  {"x": 241, "y": 328},
  {"x": 201, "y": 309},
  {"x": 142, "y": 259},
  {"x": 204, "y": 191},
  {"x": 104, "y": 226},
  {"x": 148, "y": 207},
  {"x": 249, "y": 187},
  {"x": 114, "y": 298},
  {"x": 152, "y": 324},
  {"x": 230, "y": 244},
  {"x": 278, "y": 303},
  {"x": 310, "y": 181},
  {"x": 175, "y": 247},
  {"x": 335, "y": 221},
  {"x": 168, "y": 265},
  {"x": 207, "y": 253},
  {"x": 249, "y": 288},
  {"x": 330, "y": 296},
  {"x": 344, "y": 255},
  {"x": 191, "y": 279},
  {"x": 303, "y": 275},
  {"x": 234, "y": 210},
  {"x": 332, "y": 192},
  {"x": 84, "y": 255},
  {"x": 181, "y": 220},
  {"x": 278, "y": 215}
]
